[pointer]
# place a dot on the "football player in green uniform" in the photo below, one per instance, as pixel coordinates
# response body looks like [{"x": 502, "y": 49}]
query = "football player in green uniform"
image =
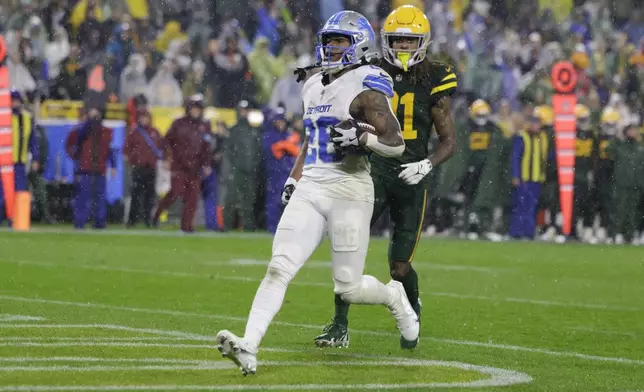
[{"x": 422, "y": 90}]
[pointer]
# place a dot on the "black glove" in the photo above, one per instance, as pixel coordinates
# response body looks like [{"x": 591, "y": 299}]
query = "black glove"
[{"x": 287, "y": 192}]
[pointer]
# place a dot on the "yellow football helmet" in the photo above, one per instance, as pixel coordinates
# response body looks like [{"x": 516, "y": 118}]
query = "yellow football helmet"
[
  {"x": 480, "y": 112},
  {"x": 582, "y": 113},
  {"x": 610, "y": 116},
  {"x": 610, "y": 121},
  {"x": 410, "y": 22},
  {"x": 545, "y": 114}
]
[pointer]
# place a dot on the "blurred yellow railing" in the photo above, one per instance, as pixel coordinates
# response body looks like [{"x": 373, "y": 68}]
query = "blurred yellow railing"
[{"x": 161, "y": 117}]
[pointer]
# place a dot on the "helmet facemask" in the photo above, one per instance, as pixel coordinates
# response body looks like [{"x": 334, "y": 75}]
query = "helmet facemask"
[
  {"x": 583, "y": 123},
  {"x": 404, "y": 58},
  {"x": 609, "y": 129},
  {"x": 325, "y": 52},
  {"x": 480, "y": 119}
]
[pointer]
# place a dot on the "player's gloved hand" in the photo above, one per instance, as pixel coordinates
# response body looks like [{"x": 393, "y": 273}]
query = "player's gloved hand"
[
  {"x": 414, "y": 172},
  {"x": 287, "y": 191},
  {"x": 346, "y": 137}
]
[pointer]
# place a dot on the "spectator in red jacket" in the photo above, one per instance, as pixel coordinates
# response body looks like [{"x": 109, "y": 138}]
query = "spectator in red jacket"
[
  {"x": 89, "y": 146},
  {"x": 187, "y": 145},
  {"x": 143, "y": 149}
]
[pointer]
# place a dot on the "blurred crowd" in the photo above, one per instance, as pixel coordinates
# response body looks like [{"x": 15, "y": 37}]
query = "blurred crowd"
[{"x": 163, "y": 51}]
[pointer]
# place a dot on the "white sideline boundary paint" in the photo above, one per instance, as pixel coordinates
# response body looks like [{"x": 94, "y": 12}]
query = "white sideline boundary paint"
[
  {"x": 330, "y": 285},
  {"x": 420, "y": 265},
  {"x": 565, "y": 354}
]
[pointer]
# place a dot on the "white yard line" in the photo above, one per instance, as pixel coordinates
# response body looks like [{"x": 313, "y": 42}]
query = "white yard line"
[
  {"x": 566, "y": 354},
  {"x": 322, "y": 264},
  {"x": 18, "y": 317},
  {"x": 329, "y": 285},
  {"x": 176, "y": 334}
]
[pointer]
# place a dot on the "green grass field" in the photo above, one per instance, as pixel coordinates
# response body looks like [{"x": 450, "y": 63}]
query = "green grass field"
[{"x": 116, "y": 311}]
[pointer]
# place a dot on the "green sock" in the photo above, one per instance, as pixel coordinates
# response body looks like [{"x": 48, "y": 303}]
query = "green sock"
[
  {"x": 341, "y": 311},
  {"x": 410, "y": 283}
]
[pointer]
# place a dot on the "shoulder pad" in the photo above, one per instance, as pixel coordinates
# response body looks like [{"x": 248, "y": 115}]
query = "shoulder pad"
[
  {"x": 442, "y": 78},
  {"x": 378, "y": 80}
]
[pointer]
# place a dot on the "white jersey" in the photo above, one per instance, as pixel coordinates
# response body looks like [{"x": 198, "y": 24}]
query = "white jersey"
[{"x": 325, "y": 170}]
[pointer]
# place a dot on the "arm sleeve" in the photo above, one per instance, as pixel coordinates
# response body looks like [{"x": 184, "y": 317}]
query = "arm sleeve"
[{"x": 515, "y": 157}]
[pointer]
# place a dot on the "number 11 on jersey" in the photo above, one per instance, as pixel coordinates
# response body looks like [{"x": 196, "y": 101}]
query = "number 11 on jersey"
[{"x": 407, "y": 100}]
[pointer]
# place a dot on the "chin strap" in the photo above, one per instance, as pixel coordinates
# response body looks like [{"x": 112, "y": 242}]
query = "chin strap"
[{"x": 300, "y": 73}]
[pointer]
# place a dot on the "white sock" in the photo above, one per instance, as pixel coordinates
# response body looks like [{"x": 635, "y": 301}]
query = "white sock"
[
  {"x": 268, "y": 301},
  {"x": 370, "y": 292}
]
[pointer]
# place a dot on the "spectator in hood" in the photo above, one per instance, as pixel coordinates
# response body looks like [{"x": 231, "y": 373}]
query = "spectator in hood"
[
  {"x": 57, "y": 51},
  {"x": 89, "y": 146},
  {"x": 133, "y": 80},
  {"x": 228, "y": 69},
  {"x": 119, "y": 48},
  {"x": 171, "y": 31},
  {"x": 55, "y": 16},
  {"x": 19, "y": 77},
  {"x": 266, "y": 69},
  {"x": 143, "y": 149},
  {"x": 268, "y": 16},
  {"x": 179, "y": 53},
  {"x": 90, "y": 30},
  {"x": 164, "y": 90}
]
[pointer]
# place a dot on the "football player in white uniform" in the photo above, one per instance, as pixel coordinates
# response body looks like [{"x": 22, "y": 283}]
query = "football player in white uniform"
[{"x": 330, "y": 189}]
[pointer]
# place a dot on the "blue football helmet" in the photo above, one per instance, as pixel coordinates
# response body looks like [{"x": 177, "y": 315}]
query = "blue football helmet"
[{"x": 360, "y": 33}]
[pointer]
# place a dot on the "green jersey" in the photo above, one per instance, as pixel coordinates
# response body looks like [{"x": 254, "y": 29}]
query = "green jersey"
[
  {"x": 414, "y": 97},
  {"x": 585, "y": 154}
]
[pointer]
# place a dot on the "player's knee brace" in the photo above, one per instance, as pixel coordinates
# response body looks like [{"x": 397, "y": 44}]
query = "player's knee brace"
[{"x": 399, "y": 269}]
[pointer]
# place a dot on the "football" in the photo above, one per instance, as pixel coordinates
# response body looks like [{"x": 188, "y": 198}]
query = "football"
[{"x": 348, "y": 124}]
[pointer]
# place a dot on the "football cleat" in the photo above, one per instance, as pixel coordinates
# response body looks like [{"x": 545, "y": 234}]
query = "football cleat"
[
  {"x": 406, "y": 317},
  {"x": 409, "y": 344},
  {"x": 235, "y": 348},
  {"x": 333, "y": 335}
]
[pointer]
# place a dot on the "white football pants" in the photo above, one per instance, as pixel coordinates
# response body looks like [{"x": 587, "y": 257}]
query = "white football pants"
[{"x": 305, "y": 220}]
